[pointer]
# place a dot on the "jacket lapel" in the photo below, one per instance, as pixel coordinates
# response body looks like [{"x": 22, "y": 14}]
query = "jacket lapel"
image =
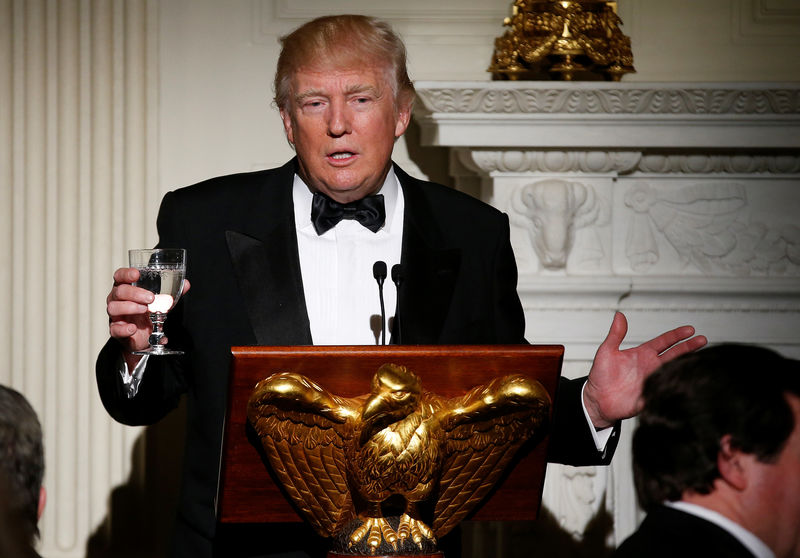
[
  {"x": 267, "y": 267},
  {"x": 430, "y": 269}
]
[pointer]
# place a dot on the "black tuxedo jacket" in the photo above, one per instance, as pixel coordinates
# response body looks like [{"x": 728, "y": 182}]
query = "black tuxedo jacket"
[
  {"x": 459, "y": 287},
  {"x": 668, "y": 532}
]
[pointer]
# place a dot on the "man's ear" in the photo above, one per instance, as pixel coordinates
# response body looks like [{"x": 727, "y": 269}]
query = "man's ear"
[
  {"x": 403, "y": 118},
  {"x": 42, "y": 501},
  {"x": 287, "y": 125},
  {"x": 732, "y": 464}
]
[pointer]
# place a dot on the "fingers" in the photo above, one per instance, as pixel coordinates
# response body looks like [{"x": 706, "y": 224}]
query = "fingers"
[
  {"x": 668, "y": 345},
  {"x": 132, "y": 294},
  {"x": 125, "y": 275},
  {"x": 186, "y": 287},
  {"x": 126, "y": 301},
  {"x": 126, "y": 305},
  {"x": 617, "y": 331},
  {"x": 121, "y": 329},
  {"x": 120, "y": 308},
  {"x": 124, "y": 291},
  {"x": 132, "y": 334},
  {"x": 684, "y": 347},
  {"x": 672, "y": 337}
]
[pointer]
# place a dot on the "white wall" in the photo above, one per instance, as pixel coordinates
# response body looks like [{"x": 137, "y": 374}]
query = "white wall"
[
  {"x": 106, "y": 104},
  {"x": 218, "y": 58}
]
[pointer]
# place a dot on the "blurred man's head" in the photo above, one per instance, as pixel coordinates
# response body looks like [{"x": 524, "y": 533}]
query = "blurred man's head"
[
  {"x": 720, "y": 428},
  {"x": 21, "y": 459},
  {"x": 345, "y": 97}
]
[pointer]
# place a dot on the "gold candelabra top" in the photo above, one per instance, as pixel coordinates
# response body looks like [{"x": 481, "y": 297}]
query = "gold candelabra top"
[{"x": 570, "y": 39}]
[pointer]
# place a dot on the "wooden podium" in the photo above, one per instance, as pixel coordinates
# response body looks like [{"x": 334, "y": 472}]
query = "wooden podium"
[{"x": 247, "y": 492}]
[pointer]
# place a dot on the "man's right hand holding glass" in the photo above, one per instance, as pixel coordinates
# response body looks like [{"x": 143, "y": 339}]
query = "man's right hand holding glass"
[{"x": 128, "y": 317}]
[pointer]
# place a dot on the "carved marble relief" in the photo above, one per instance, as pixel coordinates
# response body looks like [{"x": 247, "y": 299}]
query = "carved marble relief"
[
  {"x": 552, "y": 211},
  {"x": 576, "y": 496},
  {"x": 711, "y": 229}
]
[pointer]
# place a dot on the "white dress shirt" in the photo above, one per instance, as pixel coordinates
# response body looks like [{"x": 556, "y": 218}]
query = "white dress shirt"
[{"x": 341, "y": 292}]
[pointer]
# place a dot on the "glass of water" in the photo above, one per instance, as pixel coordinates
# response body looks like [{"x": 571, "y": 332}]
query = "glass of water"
[{"x": 161, "y": 271}]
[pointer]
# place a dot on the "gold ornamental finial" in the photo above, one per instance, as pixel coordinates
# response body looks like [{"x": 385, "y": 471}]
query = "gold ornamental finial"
[{"x": 549, "y": 39}]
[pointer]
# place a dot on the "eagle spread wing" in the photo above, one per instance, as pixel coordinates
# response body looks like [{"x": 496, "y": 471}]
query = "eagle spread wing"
[
  {"x": 482, "y": 431},
  {"x": 304, "y": 430}
]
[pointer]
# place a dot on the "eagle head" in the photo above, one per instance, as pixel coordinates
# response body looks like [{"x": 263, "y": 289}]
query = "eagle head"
[{"x": 395, "y": 395}]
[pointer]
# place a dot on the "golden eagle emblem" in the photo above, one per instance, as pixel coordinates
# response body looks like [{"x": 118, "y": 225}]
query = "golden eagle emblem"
[{"x": 345, "y": 461}]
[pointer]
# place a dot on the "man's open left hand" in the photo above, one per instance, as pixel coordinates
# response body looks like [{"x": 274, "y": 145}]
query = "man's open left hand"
[{"x": 613, "y": 390}]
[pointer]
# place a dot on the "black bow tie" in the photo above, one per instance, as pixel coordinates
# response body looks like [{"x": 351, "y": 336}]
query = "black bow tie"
[{"x": 326, "y": 213}]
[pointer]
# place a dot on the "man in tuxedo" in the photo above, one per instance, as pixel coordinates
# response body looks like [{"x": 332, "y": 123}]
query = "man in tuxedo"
[
  {"x": 285, "y": 257},
  {"x": 717, "y": 457}
]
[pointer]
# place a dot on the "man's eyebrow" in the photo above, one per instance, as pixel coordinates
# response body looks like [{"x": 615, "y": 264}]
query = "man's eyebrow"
[
  {"x": 351, "y": 90},
  {"x": 355, "y": 89},
  {"x": 300, "y": 97}
]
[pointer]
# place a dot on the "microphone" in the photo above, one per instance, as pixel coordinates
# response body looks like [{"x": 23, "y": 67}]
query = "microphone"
[
  {"x": 397, "y": 279},
  {"x": 379, "y": 273}
]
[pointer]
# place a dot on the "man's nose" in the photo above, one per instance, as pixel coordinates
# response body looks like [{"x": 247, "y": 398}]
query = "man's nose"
[{"x": 338, "y": 119}]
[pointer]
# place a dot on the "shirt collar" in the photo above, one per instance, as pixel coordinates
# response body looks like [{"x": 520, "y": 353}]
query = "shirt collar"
[
  {"x": 302, "y": 196},
  {"x": 755, "y": 545}
]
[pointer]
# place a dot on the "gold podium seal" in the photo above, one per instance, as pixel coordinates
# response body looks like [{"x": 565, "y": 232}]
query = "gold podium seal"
[{"x": 389, "y": 472}]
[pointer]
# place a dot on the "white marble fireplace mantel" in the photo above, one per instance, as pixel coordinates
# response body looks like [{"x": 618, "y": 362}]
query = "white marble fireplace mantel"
[
  {"x": 673, "y": 202},
  {"x": 591, "y": 115},
  {"x": 616, "y": 189}
]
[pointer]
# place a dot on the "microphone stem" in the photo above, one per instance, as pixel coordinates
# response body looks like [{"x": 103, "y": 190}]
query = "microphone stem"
[
  {"x": 397, "y": 279},
  {"x": 383, "y": 312},
  {"x": 379, "y": 272}
]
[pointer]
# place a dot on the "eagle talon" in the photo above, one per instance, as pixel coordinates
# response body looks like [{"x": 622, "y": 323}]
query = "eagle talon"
[
  {"x": 403, "y": 529},
  {"x": 414, "y": 529},
  {"x": 388, "y": 533},
  {"x": 376, "y": 530}
]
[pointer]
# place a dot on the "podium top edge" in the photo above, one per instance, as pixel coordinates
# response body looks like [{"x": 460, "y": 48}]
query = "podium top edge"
[{"x": 311, "y": 350}]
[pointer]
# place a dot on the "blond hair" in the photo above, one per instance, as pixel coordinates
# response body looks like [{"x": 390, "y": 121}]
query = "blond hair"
[{"x": 343, "y": 41}]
